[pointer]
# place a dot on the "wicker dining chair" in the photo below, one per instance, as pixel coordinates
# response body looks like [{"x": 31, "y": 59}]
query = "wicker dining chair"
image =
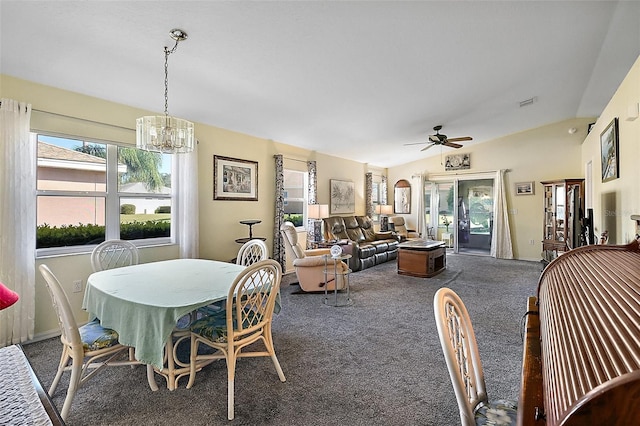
[
  {"x": 460, "y": 348},
  {"x": 113, "y": 254},
  {"x": 246, "y": 320},
  {"x": 85, "y": 349},
  {"x": 251, "y": 252}
]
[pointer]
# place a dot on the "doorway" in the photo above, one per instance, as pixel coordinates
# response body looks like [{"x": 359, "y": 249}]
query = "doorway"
[{"x": 465, "y": 225}]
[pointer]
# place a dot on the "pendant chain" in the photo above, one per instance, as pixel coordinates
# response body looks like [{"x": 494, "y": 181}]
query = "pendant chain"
[{"x": 167, "y": 52}]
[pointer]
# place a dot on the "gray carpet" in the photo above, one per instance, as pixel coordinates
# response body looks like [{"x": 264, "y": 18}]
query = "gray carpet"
[{"x": 376, "y": 362}]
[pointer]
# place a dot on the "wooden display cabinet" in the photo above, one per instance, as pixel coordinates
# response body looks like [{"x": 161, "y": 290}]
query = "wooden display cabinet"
[{"x": 563, "y": 211}]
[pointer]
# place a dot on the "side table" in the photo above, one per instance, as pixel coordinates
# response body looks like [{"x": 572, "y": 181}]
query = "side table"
[
  {"x": 331, "y": 268},
  {"x": 250, "y": 223},
  {"x": 448, "y": 237}
]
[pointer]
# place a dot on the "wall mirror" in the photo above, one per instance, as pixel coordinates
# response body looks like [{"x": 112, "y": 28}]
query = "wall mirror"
[{"x": 402, "y": 197}]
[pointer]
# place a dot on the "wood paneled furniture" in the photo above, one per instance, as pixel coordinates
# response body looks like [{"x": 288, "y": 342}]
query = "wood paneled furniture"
[
  {"x": 563, "y": 208},
  {"x": 581, "y": 360},
  {"x": 422, "y": 258}
]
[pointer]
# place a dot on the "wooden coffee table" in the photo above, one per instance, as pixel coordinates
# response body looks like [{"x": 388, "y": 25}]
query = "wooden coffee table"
[{"x": 422, "y": 258}]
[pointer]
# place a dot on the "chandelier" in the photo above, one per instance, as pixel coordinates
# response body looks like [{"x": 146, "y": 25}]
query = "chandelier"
[{"x": 163, "y": 133}]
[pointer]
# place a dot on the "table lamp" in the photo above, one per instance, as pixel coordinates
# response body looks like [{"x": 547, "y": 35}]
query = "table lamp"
[
  {"x": 316, "y": 212},
  {"x": 384, "y": 210},
  {"x": 7, "y": 297}
]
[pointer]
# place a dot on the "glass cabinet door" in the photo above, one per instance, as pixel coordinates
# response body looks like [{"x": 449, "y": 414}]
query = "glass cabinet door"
[
  {"x": 560, "y": 206},
  {"x": 549, "y": 212}
]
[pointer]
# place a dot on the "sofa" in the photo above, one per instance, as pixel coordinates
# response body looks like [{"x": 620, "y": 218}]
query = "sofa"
[{"x": 367, "y": 247}]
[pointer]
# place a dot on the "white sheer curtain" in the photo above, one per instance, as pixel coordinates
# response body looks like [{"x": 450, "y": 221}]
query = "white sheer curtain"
[
  {"x": 186, "y": 196},
  {"x": 17, "y": 219},
  {"x": 422, "y": 229},
  {"x": 501, "y": 247}
]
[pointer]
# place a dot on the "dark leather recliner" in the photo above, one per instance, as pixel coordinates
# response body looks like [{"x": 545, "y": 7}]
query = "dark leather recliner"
[{"x": 367, "y": 247}]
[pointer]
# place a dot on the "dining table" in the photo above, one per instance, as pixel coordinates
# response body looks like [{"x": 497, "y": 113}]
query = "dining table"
[{"x": 144, "y": 302}]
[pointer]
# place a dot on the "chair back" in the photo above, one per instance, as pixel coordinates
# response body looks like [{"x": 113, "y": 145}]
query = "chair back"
[
  {"x": 397, "y": 224},
  {"x": 290, "y": 237},
  {"x": 460, "y": 349},
  {"x": 251, "y": 252},
  {"x": 68, "y": 325},
  {"x": 252, "y": 299},
  {"x": 113, "y": 254}
]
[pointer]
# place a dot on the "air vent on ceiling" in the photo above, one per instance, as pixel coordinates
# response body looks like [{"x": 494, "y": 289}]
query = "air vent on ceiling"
[{"x": 528, "y": 102}]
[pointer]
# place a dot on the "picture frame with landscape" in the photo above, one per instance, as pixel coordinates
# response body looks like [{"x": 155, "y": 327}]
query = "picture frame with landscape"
[
  {"x": 235, "y": 179},
  {"x": 609, "y": 152},
  {"x": 525, "y": 188}
]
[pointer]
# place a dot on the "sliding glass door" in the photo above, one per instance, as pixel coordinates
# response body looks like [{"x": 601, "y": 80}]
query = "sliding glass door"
[
  {"x": 475, "y": 216},
  {"x": 460, "y": 213}
]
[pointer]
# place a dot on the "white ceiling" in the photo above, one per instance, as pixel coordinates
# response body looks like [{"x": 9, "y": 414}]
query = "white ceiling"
[{"x": 353, "y": 79}]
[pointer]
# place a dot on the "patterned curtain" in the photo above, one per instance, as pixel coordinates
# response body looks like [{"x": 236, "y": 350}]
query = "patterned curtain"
[
  {"x": 383, "y": 190},
  {"x": 312, "y": 198},
  {"x": 313, "y": 182},
  {"x": 368, "y": 191},
  {"x": 278, "y": 244}
]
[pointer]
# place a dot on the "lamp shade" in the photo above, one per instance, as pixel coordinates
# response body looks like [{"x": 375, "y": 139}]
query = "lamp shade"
[
  {"x": 384, "y": 209},
  {"x": 317, "y": 211},
  {"x": 7, "y": 297}
]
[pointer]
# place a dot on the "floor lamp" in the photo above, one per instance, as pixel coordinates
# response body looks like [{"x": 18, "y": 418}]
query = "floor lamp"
[
  {"x": 384, "y": 210},
  {"x": 317, "y": 212}
]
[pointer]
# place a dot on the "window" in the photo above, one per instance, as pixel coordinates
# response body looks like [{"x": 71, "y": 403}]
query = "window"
[
  {"x": 295, "y": 196},
  {"x": 91, "y": 191}
]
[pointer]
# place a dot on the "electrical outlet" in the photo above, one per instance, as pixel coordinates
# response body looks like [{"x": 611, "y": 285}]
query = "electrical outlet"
[
  {"x": 77, "y": 286},
  {"x": 532, "y": 242}
]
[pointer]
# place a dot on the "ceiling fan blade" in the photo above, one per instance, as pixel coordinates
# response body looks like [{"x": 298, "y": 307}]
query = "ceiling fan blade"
[
  {"x": 452, "y": 145},
  {"x": 437, "y": 138},
  {"x": 427, "y": 147},
  {"x": 465, "y": 138},
  {"x": 414, "y": 143}
]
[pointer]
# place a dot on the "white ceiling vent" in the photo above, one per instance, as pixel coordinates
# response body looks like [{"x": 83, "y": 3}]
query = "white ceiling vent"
[{"x": 528, "y": 102}]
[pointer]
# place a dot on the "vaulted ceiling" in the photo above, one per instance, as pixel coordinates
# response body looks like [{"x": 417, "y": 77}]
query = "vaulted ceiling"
[{"x": 357, "y": 79}]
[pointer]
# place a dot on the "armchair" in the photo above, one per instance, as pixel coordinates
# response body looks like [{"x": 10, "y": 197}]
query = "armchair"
[
  {"x": 396, "y": 224},
  {"x": 310, "y": 264}
]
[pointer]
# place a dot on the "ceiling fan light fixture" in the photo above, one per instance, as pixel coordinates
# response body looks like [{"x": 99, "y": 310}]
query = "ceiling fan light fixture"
[{"x": 163, "y": 133}]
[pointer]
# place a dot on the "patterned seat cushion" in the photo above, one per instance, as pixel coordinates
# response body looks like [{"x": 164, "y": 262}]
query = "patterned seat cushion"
[
  {"x": 499, "y": 412},
  {"x": 213, "y": 327},
  {"x": 95, "y": 337}
]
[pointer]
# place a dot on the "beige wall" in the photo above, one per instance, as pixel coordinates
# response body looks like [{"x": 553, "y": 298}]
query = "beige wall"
[
  {"x": 548, "y": 152},
  {"x": 219, "y": 220},
  {"x": 616, "y": 200}
]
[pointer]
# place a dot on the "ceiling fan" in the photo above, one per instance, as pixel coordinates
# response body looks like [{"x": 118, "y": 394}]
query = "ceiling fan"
[{"x": 439, "y": 139}]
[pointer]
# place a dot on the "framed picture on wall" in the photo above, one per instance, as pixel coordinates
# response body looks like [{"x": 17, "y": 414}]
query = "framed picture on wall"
[
  {"x": 234, "y": 179},
  {"x": 609, "y": 152},
  {"x": 524, "y": 188},
  {"x": 343, "y": 198}
]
